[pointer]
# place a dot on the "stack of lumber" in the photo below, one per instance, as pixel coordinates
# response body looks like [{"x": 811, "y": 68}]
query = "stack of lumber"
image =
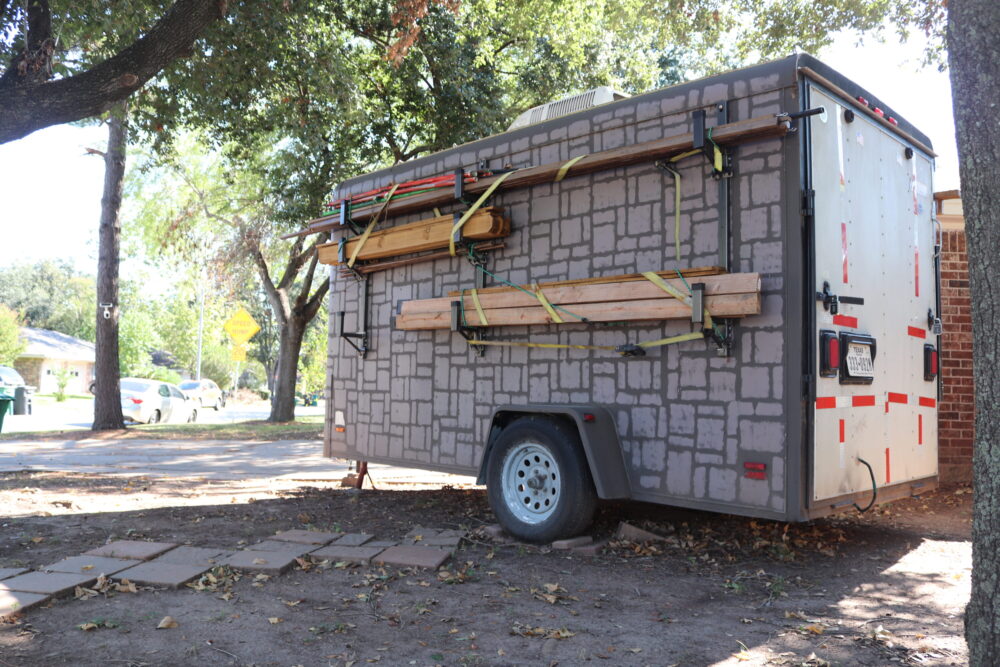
[
  {"x": 623, "y": 298},
  {"x": 428, "y": 234},
  {"x": 728, "y": 134}
]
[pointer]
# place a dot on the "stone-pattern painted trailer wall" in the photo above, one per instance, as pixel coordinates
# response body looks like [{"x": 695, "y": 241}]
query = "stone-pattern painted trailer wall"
[{"x": 687, "y": 418}]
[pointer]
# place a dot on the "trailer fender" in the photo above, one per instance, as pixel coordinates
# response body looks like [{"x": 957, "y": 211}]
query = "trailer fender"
[{"x": 598, "y": 435}]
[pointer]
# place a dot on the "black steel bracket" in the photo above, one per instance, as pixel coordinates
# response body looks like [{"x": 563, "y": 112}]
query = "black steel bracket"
[
  {"x": 701, "y": 140},
  {"x": 361, "y": 347},
  {"x": 345, "y": 217},
  {"x": 724, "y": 340},
  {"x": 470, "y": 334},
  {"x": 790, "y": 117},
  {"x": 831, "y": 301}
]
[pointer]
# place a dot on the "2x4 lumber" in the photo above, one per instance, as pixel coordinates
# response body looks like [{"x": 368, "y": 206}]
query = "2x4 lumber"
[
  {"x": 760, "y": 127},
  {"x": 626, "y": 277},
  {"x": 570, "y": 296},
  {"x": 429, "y": 234},
  {"x": 396, "y": 263},
  {"x": 723, "y": 305}
]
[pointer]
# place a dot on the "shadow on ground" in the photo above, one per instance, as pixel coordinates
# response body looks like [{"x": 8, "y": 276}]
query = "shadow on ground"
[{"x": 885, "y": 587}]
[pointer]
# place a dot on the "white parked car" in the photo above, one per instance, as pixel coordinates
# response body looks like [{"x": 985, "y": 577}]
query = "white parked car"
[
  {"x": 205, "y": 392},
  {"x": 151, "y": 401}
]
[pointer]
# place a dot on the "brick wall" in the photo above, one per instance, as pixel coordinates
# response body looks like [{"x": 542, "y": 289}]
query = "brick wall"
[{"x": 957, "y": 409}]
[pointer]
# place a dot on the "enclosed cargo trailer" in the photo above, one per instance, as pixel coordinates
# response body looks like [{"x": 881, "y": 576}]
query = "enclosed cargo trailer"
[{"x": 816, "y": 393}]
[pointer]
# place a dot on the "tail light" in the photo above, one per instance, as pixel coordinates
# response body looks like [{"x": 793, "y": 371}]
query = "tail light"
[
  {"x": 930, "y": 362},
  {"x": 137, "y": 401},
  {"x": 829, "y": 354},
  {"x": 879, "y": 112},
  {"x": 755, "y": 470}
]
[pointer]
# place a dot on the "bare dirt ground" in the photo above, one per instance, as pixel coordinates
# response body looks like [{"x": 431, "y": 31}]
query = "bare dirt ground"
[{"x": 888, "y": 587}]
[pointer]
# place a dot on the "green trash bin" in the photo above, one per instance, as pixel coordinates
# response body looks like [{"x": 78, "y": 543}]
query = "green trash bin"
[{"x": 6, "y": 403}]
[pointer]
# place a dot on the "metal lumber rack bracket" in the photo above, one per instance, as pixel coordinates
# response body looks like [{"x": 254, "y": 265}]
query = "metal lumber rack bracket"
[{"x": 362, "y": 334}]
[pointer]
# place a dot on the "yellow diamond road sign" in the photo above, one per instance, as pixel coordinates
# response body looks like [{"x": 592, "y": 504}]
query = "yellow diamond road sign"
[{"x": 241, "y": 327}]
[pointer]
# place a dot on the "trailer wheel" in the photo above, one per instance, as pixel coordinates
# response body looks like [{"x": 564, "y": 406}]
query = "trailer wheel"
[{"x": 538, "y": 481}]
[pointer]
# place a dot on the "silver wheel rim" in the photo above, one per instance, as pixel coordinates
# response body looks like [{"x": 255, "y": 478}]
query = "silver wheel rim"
[{"x": 532, "y": 482}]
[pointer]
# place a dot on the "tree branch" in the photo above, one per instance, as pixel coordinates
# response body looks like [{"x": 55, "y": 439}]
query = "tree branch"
[
  {"x": 317, "y": 299},
  {"x": 26, "y": 106}
]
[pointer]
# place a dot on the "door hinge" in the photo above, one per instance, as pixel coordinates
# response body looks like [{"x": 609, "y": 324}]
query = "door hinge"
[{"x": 808, "y": 203}]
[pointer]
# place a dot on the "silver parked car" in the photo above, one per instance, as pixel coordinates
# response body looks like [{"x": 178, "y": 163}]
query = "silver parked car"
[{"x": 151, "y": 401}]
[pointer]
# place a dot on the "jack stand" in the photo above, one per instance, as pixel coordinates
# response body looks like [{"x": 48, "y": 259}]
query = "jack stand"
[{"x": 468, "y": 333}]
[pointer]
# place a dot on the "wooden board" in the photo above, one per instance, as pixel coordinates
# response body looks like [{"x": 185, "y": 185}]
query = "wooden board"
[
  {"x": 420, "y": 236},
  {"x": 761, "y": 127},
  {"x": 724, "y": 305},
  {"x": 570, "y": 294},
  {"x": 627, "y": 277}
]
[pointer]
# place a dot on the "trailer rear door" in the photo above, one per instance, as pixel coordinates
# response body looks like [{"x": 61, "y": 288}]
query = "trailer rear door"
[{"x": 874, "y": 240}]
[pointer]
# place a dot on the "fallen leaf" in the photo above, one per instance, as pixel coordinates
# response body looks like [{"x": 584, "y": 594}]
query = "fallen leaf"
[
  {"x": 816, "y": 628},
  {"x": 259, "y": 561},
  {"x": 166, "y": 623},
  {"x": 87, "y": 627},
  {"x": 87, "y": 567},
  {"x": 36, "y": 540},
  {"x": 274, "y": 620}
]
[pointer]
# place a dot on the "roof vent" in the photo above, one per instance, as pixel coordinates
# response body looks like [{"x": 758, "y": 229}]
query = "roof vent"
[{"x": 566, "y": 106}]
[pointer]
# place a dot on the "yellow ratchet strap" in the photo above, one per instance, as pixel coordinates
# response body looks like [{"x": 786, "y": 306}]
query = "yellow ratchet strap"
[
  {"x": 676, "y": 293},
  {"x": 677, "y": 201},
  {"x": 556, "y": 346},
  {"x": 475, "y": 207},
  {"x": 371, "y": 226},
  {"x": 697, "y": 335},
  {"x": 479, "y": 308},
  {"x": 564, "y": 170},
  {"x": 546, "y": 305}
]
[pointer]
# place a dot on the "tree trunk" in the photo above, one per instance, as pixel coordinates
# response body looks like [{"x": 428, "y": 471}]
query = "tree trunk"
[
  {"x": 287, "y": 367},
  {"x": 107, "y": 395},
  {"x": 974, "y": 56}
]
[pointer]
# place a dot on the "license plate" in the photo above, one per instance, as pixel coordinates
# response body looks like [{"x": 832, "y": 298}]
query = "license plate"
[{"x": 859, "y": 361}]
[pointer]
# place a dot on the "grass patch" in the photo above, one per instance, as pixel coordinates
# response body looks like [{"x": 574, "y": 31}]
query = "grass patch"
[{"x": 308, "y": 427}]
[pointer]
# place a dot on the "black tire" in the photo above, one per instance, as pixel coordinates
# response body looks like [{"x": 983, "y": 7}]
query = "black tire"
[
  {"x": 572, "y": 486},
  {"x": 154, "y": 418}
]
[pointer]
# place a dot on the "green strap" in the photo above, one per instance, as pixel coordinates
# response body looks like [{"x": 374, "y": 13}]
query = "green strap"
[
  {"x": 371, "y": 226},
  {"x": 563, "y": 170},
  {"x": 475, "y": 207}
]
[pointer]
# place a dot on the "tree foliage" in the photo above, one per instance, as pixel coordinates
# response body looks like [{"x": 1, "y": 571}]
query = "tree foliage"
[
  {"x": 50, "y": 295},
  {"x": 11, "y": 343}
]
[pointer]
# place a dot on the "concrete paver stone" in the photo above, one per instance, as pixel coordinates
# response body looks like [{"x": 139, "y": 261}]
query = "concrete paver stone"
[
  {"x": 158, "y": 573},
  {"x": 362, "y": 555},
  {"x": 271, "y": 562},
  {"x": 92, "y": 565},
  {"x": 133, "y": 549},
  {"x": 208, "y": 557},
  {"x": 8, "y": 572},
  {"x": 354, "y": 540},
  {"x": 306, "y": 536},
  {"x": 47, "y": 583},
  {"x": 409, "y": 556},
  {"x": 291, "y": 548},
  {"x": 573, "y": 542},
  {"x": 440, "y": 541},
  {"x": 14, "y": 602},
  {"x": 381, "y": 543},
  {"x": 422, "y": 532}
]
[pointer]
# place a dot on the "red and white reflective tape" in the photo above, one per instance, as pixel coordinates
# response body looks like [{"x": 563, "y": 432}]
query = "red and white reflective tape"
[{"x": 870, "y": 400}]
